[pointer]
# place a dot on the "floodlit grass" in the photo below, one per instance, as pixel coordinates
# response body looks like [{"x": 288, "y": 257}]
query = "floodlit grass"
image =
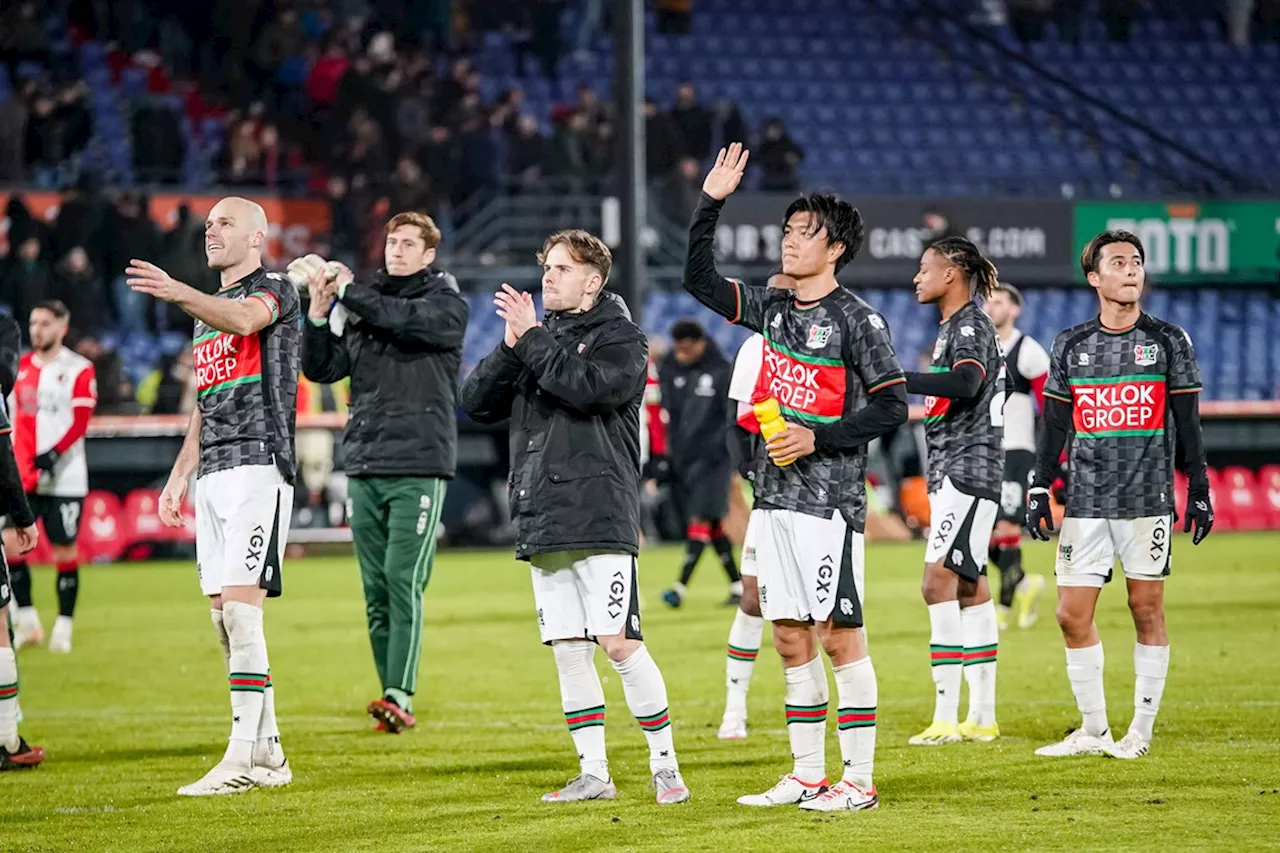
[{"x": 140, "y": 708}]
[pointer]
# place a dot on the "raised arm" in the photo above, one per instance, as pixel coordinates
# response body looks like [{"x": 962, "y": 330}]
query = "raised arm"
[
  {"x": 728, "y": 298},
  {"x": 437, "y": 319}
]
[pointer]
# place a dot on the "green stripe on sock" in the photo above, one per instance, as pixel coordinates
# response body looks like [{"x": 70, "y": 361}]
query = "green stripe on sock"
[
  {"x": 652, "y": 717},
  {"x": 8, "y": 691},
  {"x": 991, "y": 648}
]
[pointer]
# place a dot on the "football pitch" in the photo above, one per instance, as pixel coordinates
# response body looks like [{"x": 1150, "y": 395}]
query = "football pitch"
[{"x": 140, "y": 708}]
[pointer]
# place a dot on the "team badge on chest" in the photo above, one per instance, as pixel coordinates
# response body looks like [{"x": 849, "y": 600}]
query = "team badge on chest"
[
  {"x": 819, "y": 334},
  {"x": 1145, "y": 356}
]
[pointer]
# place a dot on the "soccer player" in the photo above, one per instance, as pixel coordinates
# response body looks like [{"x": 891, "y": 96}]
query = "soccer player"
[
  {"x": 748, "y": 623},
  {"x": 695, "y": 377},
  {"x": 1125, "y": 386},
  {"x": 830, "y": 364},
  {"x": 1026, "y": 369},
  {"x": 572, "y": 387},
  {"x": 15, "y": 753},
  {"x": 964, "y": 403},
  {"x": 52, "y": 401},
  {"x": 402, "y": 351},
  {"x": 240, "y": 445}
]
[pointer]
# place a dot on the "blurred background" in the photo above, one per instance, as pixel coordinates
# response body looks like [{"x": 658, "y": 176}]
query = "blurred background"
[{"x": 1025, "y": 125}]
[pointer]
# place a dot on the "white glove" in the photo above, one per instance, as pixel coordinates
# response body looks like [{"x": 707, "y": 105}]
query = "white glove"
[{"x": 301, "y": 269}]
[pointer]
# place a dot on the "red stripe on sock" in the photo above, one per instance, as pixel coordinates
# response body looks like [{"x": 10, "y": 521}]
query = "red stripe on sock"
[
  {"x": 699, "y": 532},
  {"x": 585, "y": 718},
  {"x": 953, "y": 657},
  {"x": 248, "y": 682},
  {"x": 653, "y": 724},
  {"x": 980, "y": 656},
  {"x": 69, "y": 566},
  {"x": 806, "y": 715},
  {"x": 857, "y": 718}
]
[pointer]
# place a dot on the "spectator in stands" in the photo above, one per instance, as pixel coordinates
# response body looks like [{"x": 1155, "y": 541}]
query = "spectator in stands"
[
  {"x": 602, "y": 154},
  {"x": 410, "y": 189},
  {"x": 694, "y": 122},
  {"x": 326, "y": 74},
  {"x": 681, "y": 190},
  {"x": 439, "y": 159},
  {"x": 541, "y": 37},
  {"x": 1027, "y": 18},
  {"x": 674, "y": 16},
  {"x": 26, "y": 281},
  {"x": 1119, "y": 16},
  {"x": 22, "y": 37},
  {"x": 134, "y": 235},
  {"x": 662, "y": 141},
  {"x": 593, "y": 21},
  {"x": 279, "y": 40},
  {"x": 730, "y": 125},
  {"x": 346, "y": 222},
  {"x": 568, "y": 160},
  {"x": 81, "y": 223},
  {"x": 115, "y": 391},
  {"x": 13, "y": 135},
  {"x": 450, "y": 91},
  {"x": 79, "y": 286},
  {"x": 159, "y": 145},
  {"x": 526, "y": 152},
  {"x": 778, "y": 156},
  {"x": 240, "y": 161},
  {"x": 46, "y": 143},
  {"x": 413, "y": 113},
  {"x": 590, "y": 105},
  {"x": 477, "y": 160}
]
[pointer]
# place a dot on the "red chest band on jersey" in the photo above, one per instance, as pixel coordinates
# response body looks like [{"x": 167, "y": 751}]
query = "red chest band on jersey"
[
  {"x": 810, "y": 387},
  {"x": 223, "y": 361},
  {"x": 1112, "y": 408}
]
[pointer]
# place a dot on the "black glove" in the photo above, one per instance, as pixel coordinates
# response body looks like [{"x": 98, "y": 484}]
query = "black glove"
[
  {"x": 1039, "y": 509},
  {"x": 47, "y": 460},
  {"x": 1199, "y": 514}
]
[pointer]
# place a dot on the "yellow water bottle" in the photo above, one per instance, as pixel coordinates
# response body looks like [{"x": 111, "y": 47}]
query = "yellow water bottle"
[{"x": 769, "y": 415}]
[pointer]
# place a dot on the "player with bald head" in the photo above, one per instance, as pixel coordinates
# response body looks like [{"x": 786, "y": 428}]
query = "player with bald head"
[{"x": 240, "y": 446}]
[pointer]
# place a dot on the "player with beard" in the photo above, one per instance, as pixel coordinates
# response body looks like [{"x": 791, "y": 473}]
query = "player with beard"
[
  {"x": 1125, "y": 387},
  {"x": 830, "y": 366},
  {"x": 964, "y": 407},
  {"x": 1027, "y": 369},
  {"x": 240, "y": 445}
]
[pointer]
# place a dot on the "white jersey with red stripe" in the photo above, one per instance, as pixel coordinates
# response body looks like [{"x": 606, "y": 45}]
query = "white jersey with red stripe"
[
  {"x": 742, "y": 384},
  {"x": 44, "y": 402},
  {"x": 1028, "y": 367}
]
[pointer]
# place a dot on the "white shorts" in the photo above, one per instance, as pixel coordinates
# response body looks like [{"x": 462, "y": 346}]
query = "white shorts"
[
  {"x": 748, "y": 567},
  {"x": 1088, "y": 547},
  {"x": 960, "y": 530},
  {"x": 810, "y": 569},
  {"x": 242, "y": 525},
  {"x": 586, "y": 594}
]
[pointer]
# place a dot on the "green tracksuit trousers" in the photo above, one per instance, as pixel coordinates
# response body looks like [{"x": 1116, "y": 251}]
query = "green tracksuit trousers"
[{"x": 393, "y": 522}]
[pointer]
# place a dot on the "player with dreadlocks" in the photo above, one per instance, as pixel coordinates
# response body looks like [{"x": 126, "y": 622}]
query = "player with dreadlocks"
[{"x": 964, "y": 413}]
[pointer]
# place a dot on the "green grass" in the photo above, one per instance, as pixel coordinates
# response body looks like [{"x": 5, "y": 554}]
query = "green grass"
[{"x": 140, "y": 708}]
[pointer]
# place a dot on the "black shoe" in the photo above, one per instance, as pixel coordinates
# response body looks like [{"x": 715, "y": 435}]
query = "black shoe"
[
  {"x": 672, "y": 598},
  {"x": 734, "y": 599},
  {"x": 25, "y": 756}
]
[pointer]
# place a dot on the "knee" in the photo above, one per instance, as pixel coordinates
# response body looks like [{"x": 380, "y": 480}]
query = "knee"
[
  {"x": 938, "y": 584},
  {"x": 243, "y": 622},
  {"x": 619, "y": 648},
  {"x": 573, "y": 656},
  {"x": 1074, "y": 625},
  {"x": 1147, "y": 614},
  {"x": 833, "y": 642}
]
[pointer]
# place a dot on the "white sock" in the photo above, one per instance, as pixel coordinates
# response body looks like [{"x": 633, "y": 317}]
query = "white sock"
[
  {"x": 646, "y": 694},
  {"x": 1150, "y": 667},
  {"x": 8, "y": 699},
  {"x": 946, "y": 654},
  {"x": 744, "y": 645},
  {"x": 806, "y": 699},
  {"x": 856, "y": 692},
  {"x": 248, "y": 677},
  {"x": 582, "y": 698},
  {"x": 1084, "y": 671},
  {"x": 981, "y": 637},
  {"x": 220, "y": 628},
  {"x": 735, "y": 588}
]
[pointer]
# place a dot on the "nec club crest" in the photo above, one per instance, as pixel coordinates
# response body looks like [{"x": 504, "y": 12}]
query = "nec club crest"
[
  {"x": 819, "y": 334},
  {"x": 1145, "y": 356}
]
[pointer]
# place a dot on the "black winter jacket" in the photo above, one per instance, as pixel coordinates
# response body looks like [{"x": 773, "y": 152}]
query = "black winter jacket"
[
  {"x": 401, "y": 348},
  {"x": 572, "y": 389},
  {"x": 699, "y": 412}
]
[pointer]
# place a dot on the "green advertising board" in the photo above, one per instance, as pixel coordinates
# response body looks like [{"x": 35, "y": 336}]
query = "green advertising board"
[{"x": 1193, "y": 242}]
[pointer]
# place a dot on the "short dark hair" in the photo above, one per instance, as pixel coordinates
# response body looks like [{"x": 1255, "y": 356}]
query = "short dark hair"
[
  {"x": 968, "y": 258},
  {"x": 841, "y": 219},
  {"x": 1014, "y": 294},
  {"x": 56, "y": 307},
  {"x": 1092, "y": 253},
  {"x": 687, "y": 330}
]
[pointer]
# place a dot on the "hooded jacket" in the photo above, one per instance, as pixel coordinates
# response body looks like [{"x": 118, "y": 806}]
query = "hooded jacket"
[
  {"x": 572, "y": 389},
  {"x": 401, "y": 347}
]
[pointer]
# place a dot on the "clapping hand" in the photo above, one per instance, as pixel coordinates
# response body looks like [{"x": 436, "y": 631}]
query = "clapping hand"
[{"x": 517, "y": 310}]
